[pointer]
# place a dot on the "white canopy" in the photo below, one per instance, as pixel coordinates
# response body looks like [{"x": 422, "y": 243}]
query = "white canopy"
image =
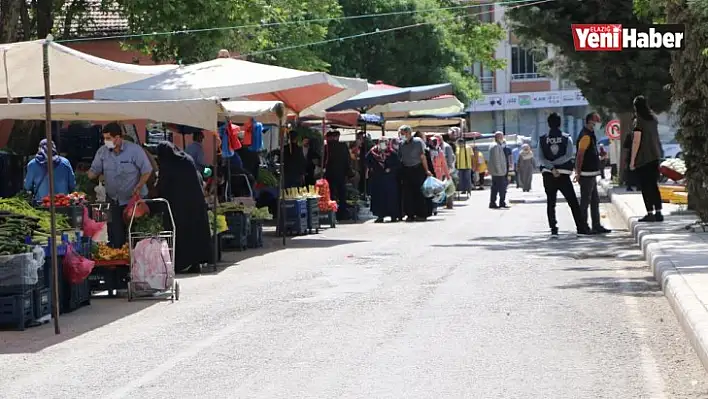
[
  {"x": 200, "y": 113},
  {"x": 71, "y": 71},
  {"x": 423, "y": 122},
  {"x": 236, "y": 79},
  {"x": 265, "y": 111},
  {"x": 435, "y": 106}
]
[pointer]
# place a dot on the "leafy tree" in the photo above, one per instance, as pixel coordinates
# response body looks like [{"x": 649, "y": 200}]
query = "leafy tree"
[
  {"x": 439, "y": 50},
  {"x": 609, "y": 80},
  {"x": 172, "y": 15}
]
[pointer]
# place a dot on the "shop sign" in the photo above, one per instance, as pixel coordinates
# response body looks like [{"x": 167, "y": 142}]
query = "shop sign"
[{"x": 533, "y": 100}]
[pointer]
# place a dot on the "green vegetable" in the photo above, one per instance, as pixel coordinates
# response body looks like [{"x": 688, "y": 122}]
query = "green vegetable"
[
  {"x": 148, "y": 224},
  {"x": 266, "y": 178}
]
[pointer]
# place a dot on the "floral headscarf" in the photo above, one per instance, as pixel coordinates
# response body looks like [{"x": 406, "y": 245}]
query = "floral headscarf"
[
  {"x": 526, "y": 152},
  {"x": 41, "y": 156}
]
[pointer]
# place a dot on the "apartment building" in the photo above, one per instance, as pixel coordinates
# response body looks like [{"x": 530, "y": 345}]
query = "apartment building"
[{"x": 518, "y": 99}]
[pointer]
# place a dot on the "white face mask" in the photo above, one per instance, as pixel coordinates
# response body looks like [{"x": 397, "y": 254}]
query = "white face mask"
[
  {"x": 109, "y": 144},
  {"x": 382, "y": 146}
]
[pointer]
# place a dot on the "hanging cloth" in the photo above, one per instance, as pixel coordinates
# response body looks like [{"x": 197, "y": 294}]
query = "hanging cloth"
[
  {"x": 257, "y": 143},
  {"x": 247, "y": 133},
  {"x": 226, "y": 151},
  {"x": 234, "y": 131}
]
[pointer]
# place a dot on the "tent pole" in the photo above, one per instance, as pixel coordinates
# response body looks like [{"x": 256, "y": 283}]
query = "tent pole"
[
  {"x": 281, "y": 182},
  {"x": 50, "y": 176}
]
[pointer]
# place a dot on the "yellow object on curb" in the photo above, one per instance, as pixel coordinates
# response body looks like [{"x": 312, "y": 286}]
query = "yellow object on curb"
[
  {"x": 667, "y": 191},
  {"x": 680, "y": 198}
]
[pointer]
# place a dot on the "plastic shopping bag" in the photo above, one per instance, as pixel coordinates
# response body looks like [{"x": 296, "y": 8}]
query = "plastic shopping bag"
[
  {"x": 98, "y": 231},
  {"x": 449, "y": 187},
  {"x": 76, "y": 267},
  {"x": 440, "y": 199},
  {"x": 141, "y": 209},
  {"x": 432, "y": 187},
  {"x": 152, "y": 267},
  {"x": 21, "y": 269}
]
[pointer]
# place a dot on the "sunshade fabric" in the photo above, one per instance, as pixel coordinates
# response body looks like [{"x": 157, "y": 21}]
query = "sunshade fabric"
[
  {"x": 71, "y": 71},
  {"x": 374, "y": 97},
  {"x": 264, "y": 111},
  {"x": 229, "y": 78},
  {"x": 422, "y": 122},
  {"x": 200, "y": 113},
  {"x": 439, "y": 105}
]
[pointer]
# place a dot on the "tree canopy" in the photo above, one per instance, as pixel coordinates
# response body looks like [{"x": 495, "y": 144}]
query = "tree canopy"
[
  {"x": 441, "y": 49},
  {"x": 609, "y": 80}
]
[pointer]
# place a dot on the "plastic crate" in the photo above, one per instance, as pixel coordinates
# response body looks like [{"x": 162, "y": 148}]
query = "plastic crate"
[
  {"x": 313, "y": 215},
  {"x": 42, "y": 302},
  {"x": 74, "y": 215},
  {"x": 108, "y": 278},
  {"x": 230, "y": 241},
  {"x": 255, "y": 236},
  {"x": 329, "y": 219},
  {"x": 74, "y": 296},
  {"x": 16, "y": 311},
  {"x": 238, "y": 223}
]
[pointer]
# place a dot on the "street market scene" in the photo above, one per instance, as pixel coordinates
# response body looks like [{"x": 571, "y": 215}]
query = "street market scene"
[{"x": 405, "y": 199}]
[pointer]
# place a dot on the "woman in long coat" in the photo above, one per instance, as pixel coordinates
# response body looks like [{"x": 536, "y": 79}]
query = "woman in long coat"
[
  {"x": 525, "y": 167},
  {"x": 181, "y": 185},
  {"x": 383, "y": 165}
]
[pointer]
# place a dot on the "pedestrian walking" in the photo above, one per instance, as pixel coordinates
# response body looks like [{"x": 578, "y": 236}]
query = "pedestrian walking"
[
  {"x": 415, "y": 171},
  {"x": 525, "y": 166},
  {"x": 645, "y": 157},
  {"x": 587, "y": 168},
  {"x": 556, "y": 161},
  {"x": 499, "y": 167},
  {"x": 465, "y": 165}
]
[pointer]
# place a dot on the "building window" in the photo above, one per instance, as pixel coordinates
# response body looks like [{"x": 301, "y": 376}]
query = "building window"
[
  {"x": 484, "y": 76},
  {"x": 484, "y": 12},
  {"x": 524, "y": 64}
]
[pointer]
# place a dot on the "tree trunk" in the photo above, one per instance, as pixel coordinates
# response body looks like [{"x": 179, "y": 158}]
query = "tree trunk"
[
  {"x": 45, "y": 20},
  {"x": 625, "y": 119},
  {"x": 9, "y": 19}
]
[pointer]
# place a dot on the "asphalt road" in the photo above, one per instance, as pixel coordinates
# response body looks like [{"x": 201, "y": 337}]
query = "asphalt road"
[{"x": 475, "y": 303}]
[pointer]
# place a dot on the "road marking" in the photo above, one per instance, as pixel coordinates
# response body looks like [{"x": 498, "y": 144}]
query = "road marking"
[{"x": 188, "y": 353}]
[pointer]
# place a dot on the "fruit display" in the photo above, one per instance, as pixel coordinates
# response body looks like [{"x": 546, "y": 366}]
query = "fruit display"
[
  {"x": 65, "y": 200},
  {"x": 299, "y": 193},
  {"x": 266, "y": 178},
  {"x": 102, "y": 251}
]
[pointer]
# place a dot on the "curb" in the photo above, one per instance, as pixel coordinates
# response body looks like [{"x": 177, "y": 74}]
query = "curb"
[{"x": 690, "y": 311}]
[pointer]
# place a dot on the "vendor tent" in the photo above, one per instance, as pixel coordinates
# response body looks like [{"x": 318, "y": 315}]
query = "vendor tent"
[
  {"x": 21, "y": 70},
  {"x": 265, "y": 111},
  {"x": 427, "y": 121},
  {"x": 201, "y": 113},
  {"x": 229, "y": 78},
  {"x": 439, "y": 105},
  {"x": 375, "y": 96}
]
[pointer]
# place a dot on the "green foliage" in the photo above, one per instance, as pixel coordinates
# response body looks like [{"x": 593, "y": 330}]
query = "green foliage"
[
  {"x": 690, "y": 92},
  {"x": 147, "y": 16},
  {"x": 608, "y": 80},
  {"x": 439, "y": 50}
]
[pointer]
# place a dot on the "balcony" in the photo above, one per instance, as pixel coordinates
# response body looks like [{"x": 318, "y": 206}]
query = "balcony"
[
  {"x": 567, "y": 85},
  {"x": 528, "y": 76},
  {"x": 486, "y": 84}
]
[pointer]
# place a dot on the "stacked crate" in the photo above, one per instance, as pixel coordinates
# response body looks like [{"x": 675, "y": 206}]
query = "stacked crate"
[
  {"x": 295, "y": 220},
  {"x": 313, "y": 215},
  {"x": 255, "y": 236},
  {"x": 236, "y": 238}
]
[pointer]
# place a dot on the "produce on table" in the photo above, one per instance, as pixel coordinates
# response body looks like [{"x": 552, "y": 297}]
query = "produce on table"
[
  {"x": 261, "y": 214},
  {"x": 299, "y": 193},
  {"x": 221, "y": 225},
  {"x": 266, "y": 178},
  {"x": 18, "y": 206},
  {"x": 13, "y": 232},
  {"x": 325, "y": 200},
  {"x": 148, "y": 224},
  {"x": 102, "y": 251},
  {"x": 226, "y": 207},
  {"x": 65, "y": 200}
]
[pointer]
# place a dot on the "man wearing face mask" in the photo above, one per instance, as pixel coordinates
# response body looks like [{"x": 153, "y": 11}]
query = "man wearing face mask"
[
  {"x": 587, "y": 168},
  {"x": 125, "y": 169},
  {"x": 413, "y": 174}
]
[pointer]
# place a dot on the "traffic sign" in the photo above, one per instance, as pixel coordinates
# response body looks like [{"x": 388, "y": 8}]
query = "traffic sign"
[{"x": 612, "y": 129}]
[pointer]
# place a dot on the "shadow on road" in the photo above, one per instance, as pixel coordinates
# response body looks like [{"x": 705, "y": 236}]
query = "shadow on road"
[
  {"x": 637, "y": 287},
  {"x": 101, "y": 312}
]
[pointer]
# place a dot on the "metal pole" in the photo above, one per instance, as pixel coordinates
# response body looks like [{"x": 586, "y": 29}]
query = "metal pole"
[
  {"x": 215, "y": 198},
  {"x": 50, "y": 175},
  {"x": 281, "y": 182}
]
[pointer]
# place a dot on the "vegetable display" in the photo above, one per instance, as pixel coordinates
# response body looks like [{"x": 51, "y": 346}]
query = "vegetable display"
[
  {"x": 102, "y": 251},
  {"x": 299, "y": 193},
  {"x": 148, "y": 224},
  {"x": 221, "y": 225},
  {"x": 13, "y": 230},
  {"x": 266, "y": 178},
  {"x": 261, "y": 214},
  {"x": 65, "y": 200},
  {"x": 230, "y": 207},
  {"x": 18, "y": 206},
  {"x": 325, "y": 200}
]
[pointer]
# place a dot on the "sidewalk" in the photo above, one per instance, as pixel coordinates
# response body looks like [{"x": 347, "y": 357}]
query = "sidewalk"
[{"x": 678, "y": 258}]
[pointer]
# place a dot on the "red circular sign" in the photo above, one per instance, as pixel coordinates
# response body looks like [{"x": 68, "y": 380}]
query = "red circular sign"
[{"x": 612, "y": 129}]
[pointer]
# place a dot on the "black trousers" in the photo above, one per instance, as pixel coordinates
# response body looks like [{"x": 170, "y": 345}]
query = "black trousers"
[
  {"x": 648, "y": 178},
  {"x": 414, "y": 204},
  {"x": 117, "y": 228},
  {"x": 552, "y": 186},
  {"x": 338, "y": 190},
  {"x": 589, "y": 198}
]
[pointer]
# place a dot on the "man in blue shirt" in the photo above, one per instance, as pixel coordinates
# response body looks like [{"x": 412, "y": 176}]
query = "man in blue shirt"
[
  {"x": 125, "y": 169},
  {"x": 37, "y": 178},
  {"x": 196, "y": 151}
]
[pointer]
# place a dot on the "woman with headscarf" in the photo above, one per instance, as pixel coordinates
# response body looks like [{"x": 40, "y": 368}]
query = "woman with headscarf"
[
  {"x": 525, "y": 166},
  {"x": 180, "y": 184},
  {"x": 645, "y": 156},
  {"x": 430, "y": 206},
  {"x": 37, "y": 178},
  {"x": 383, "y": 165},
  {"x": 437, "y": 155}
]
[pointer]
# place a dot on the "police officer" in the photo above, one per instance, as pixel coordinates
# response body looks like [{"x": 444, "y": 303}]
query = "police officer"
[
  {"x": 556, "y": 162},
  {"x": 587, "y": 169}
]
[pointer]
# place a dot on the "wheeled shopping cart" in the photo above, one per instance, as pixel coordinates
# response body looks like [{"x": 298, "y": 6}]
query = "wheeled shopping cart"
[{"x": 152, "y": 270}]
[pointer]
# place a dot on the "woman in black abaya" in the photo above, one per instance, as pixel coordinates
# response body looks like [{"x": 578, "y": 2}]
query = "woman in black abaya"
[{"x": 181, "y": 185}]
